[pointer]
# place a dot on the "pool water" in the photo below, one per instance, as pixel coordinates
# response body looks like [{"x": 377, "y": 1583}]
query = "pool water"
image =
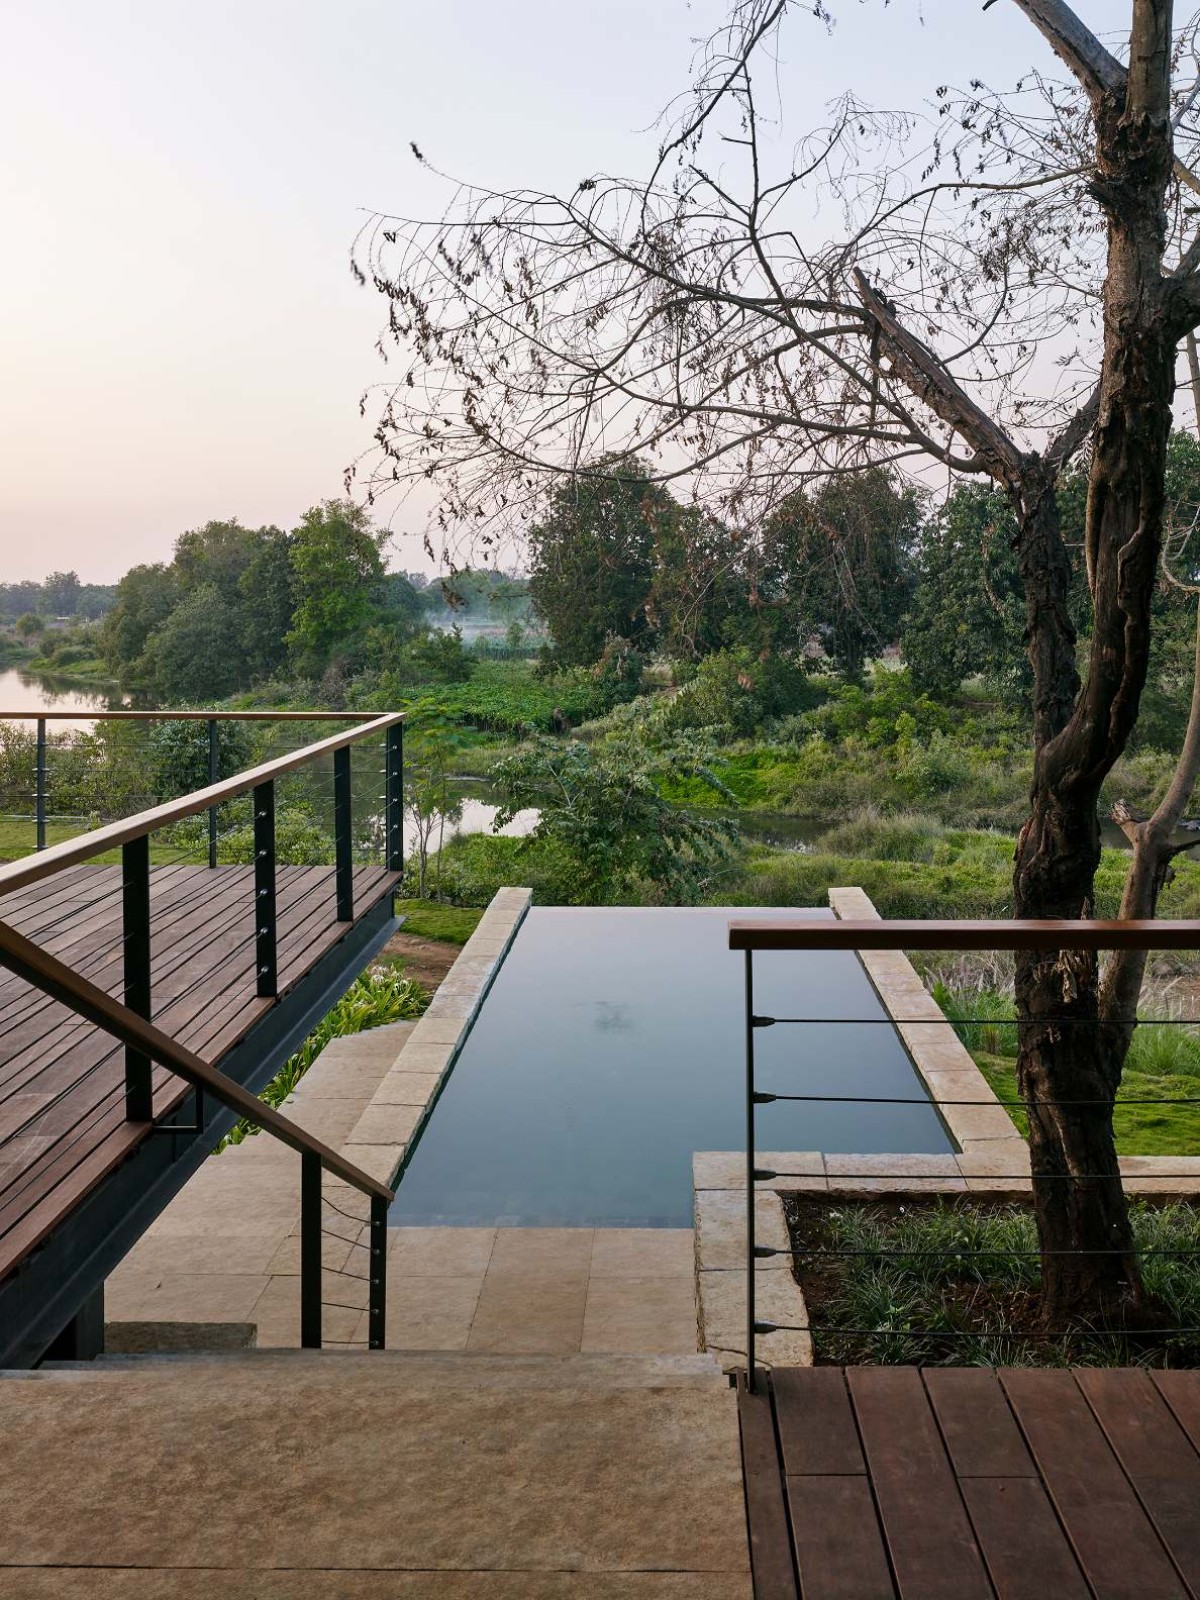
[{"x": 611, "y": 1046}]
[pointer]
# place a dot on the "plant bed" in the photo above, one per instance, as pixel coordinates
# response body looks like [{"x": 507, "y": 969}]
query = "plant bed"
[{"x": 973, "y": 1299}]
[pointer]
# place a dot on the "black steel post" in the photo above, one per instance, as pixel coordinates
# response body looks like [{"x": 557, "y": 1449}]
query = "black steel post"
[
  {"x": 343, "y": 835},
  {"x": 214, "y": 772},
  {"x": 377, "y": 1273},
  {"x": 39, "y": 785},
  {"x": 310, "y": 1251},
  {"x": 265, "y": 926},
  {"x": 750, "y": 1244},
  {"x": 394, "y": 799},
  {"x": 135, "y": 906}
]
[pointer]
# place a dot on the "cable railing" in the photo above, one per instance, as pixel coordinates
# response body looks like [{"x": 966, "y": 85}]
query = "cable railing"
[
  {"x": 156, "y": 936},
  {"x": 144, "y": 1042},
  {"x": 46, "y": 751},
  {"x": 858, "y": 936}
]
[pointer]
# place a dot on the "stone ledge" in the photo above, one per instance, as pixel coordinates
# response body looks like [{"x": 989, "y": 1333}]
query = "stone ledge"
[{"x": 721, "y": 1281}]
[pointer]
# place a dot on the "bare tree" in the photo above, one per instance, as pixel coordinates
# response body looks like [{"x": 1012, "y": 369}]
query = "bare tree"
[{"x": 989, "y": 287}]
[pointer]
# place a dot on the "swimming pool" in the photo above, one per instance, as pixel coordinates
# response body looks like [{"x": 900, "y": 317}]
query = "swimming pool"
[{"x": 610, "y": 1047}]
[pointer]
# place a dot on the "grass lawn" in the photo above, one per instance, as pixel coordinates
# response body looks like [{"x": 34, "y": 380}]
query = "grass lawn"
[
  {"x": 428, "y": 919},
  {"x": 1163, "y": 1065},
  {"x": 1142, "y": 1130},
  {"x": 955, "y": 1282},
  {"x": 17, "y": 839}
]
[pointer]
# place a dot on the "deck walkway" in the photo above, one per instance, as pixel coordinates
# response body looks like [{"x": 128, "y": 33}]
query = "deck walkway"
[
  {"x": 955, "y": 1483},
  {"x": 62, "y": 1114}
]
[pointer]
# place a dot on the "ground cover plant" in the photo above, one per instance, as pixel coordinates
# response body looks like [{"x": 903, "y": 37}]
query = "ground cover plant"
[
  {"x": 381, "y": 995},
  {"x": 949, "y": 1282}
]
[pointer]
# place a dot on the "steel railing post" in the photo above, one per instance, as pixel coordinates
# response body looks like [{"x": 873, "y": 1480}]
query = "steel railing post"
[
  {"x": 214, "y": 772},
  {"x": 377, "y": 1274},
  {"x": 343, "y": 838},
  {"x": 394, "y": 799},
  {"x": 135, "y": 927},
  {"x": 266, "y": 954},
  {"x": 750, "y": 1241},
  {"x": 310, "y": 1251},
  {"x": 39, "y": 785}
]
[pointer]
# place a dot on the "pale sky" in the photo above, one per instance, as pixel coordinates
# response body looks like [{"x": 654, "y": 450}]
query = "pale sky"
[{"x": 181, "y": 184}]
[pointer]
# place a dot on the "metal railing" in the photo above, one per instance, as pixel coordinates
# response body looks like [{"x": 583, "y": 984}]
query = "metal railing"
[
  {"x": 213, "y": 721},
  {"x": 144, "y": 1042},
  {"x": 128, "y": 1021},
  {"x": 813, "y": 935}
]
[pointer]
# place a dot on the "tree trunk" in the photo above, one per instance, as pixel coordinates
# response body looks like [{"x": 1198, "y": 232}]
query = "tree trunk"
[{"x": 1067, "y": 1053}]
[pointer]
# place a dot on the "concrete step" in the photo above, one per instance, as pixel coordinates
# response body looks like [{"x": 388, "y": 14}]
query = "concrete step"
[{"x": 272, "y": 1474}]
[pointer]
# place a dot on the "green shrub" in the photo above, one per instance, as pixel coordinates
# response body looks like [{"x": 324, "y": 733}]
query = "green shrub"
[{"x": 906, "y": 837}]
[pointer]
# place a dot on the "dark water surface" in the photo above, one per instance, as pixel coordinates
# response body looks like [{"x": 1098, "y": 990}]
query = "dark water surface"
[{"x": 610, "y": 1047}]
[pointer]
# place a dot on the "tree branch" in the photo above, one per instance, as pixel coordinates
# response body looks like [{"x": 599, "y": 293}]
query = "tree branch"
[{"x": 1076, "y": 46}]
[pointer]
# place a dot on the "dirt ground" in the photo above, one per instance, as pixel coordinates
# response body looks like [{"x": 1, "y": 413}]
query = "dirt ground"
[{"x": 426, "y": 960}]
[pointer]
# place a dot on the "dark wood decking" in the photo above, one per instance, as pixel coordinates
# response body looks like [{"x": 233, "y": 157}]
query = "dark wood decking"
[
  {"x": 950, "y": 1483},
  {"x": 62, "y": 1116}
]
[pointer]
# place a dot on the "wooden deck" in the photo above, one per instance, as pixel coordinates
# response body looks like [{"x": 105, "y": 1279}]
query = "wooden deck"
[
  {"x": 62, "y": 1115},
  {"x": 955, "y": 1483}
]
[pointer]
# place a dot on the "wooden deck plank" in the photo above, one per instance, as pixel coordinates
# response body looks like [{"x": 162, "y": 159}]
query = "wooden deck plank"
[
  {"x": 981, "y": 1433},
  {"x": 1181, "y": 1391},
  {"x": 840, "y": 1552},
  {"x": 933, "y": 1549},
  {"x": 817, "y": 1431},
  {"x": 1026, "y": 1551},
  {"x": 771, "y": 1560},
  {"x": 1155, "y": 1454},
  {"x": 1114, "y": 1541},
  {"x": 62, "y": 1125}
]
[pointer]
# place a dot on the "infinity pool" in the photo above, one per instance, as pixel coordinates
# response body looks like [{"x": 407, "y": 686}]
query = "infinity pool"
[{"x": 611, "y": 1046}]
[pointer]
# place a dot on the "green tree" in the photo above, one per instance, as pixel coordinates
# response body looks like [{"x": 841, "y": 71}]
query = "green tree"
[
  {"x": 178, "y": 755},
  {"x": 146, "y": 596},
  {"x": 266, "y": 601},
  {"x": 338, "y": 565},
  {"x": 837, "y": 564},
  {"x": 196, "y": 653},
  {"x": 603, "y": 805},
  {"x": 219, "y": 554},
  {"x": 967, "y": 613},
  {"x": 31, "y": 625},
  {"x": 591, "y": 560},
  {"x": 699, "y": 595},
  {"x": 60, "y": 594}
]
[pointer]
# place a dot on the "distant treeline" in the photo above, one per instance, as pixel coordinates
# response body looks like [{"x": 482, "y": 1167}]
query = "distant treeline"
[{"x": 61, "y": 594}]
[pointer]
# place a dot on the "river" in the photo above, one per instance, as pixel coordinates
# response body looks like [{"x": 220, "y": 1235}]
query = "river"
[{"x": 24, "y": 694}]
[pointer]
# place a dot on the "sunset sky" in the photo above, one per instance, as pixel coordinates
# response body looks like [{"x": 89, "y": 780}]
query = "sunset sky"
[{"x": 182, "y": 183}]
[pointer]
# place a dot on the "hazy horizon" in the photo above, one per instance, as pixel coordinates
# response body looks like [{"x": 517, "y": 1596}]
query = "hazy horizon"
[{"x": 185, "y": 341}]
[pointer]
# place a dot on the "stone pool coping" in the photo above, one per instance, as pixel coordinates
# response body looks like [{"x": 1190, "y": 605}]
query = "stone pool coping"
[{"x": 393, "y": 1118}]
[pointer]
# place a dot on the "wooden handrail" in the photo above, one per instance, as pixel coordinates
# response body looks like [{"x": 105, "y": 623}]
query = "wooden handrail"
[
  {"x": 932, "y": 934},
  {"x": 45, "y": 972},
  {"x": 83, "y": 715},
  {"x": 29, "y": 869}
]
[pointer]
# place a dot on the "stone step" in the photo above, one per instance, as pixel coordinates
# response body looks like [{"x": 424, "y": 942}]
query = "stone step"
[
  {"x": 270, "y": 1476},
  {"x": 428, "y": 1369}
]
